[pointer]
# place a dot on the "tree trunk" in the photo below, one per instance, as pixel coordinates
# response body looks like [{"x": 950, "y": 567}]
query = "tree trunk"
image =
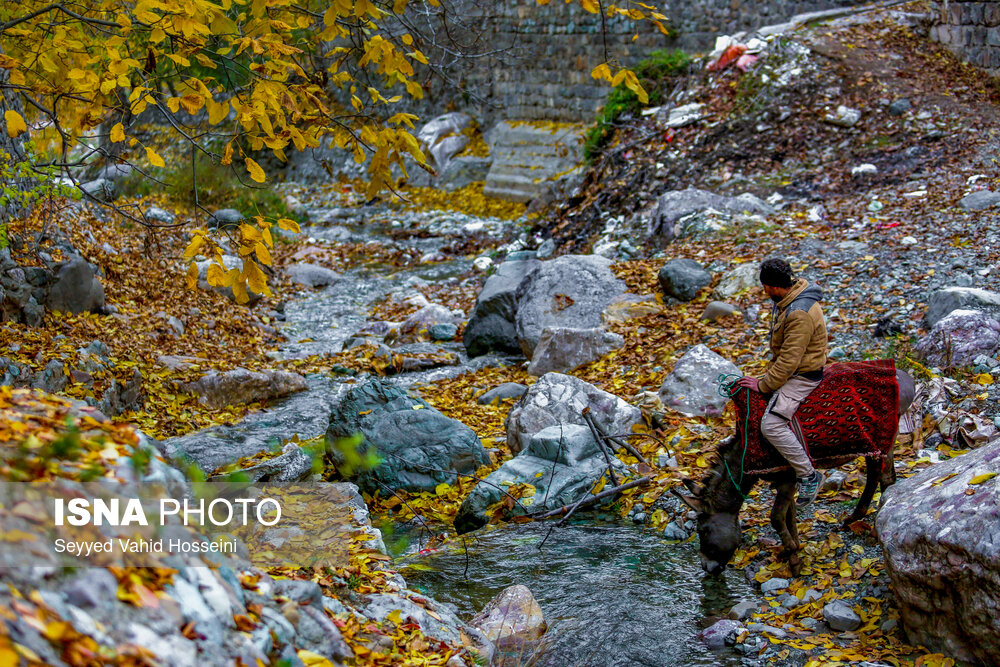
[{"x": 12, "y": 153}]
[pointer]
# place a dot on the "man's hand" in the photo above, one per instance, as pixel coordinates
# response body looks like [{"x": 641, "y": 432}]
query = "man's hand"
[{"x": 749, "y": 383}]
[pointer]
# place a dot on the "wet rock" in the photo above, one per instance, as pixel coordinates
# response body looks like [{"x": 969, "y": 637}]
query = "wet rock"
[
  {"x": 772, "y": 586},
  {"x": 674, "y": 531},
  {"x": 715, "y": 636},
  {"x": 980, "y": 200},
  {"x": 959, "y": 338},
  {"x": 500, "y": 392},
  {"x": 562, "y": 462},
  {"x": 739, "y": 279},
  {"x": 312, "y": 275},
  {"x": 420, "y": 447},
  {"x": 101, "y": 189},
  {"x": 839, "y": 616},
  {"x": 941, "y": 550},
  {"x": 569, "y": 291},
  {"x": 511, "y": 618},
  {"x": 562, "y": 349},
  {"x": 241, "y": 386},
  {"x": 743, "y": 610},
  {"x": 719, "y": 309},
  {"x": 76, "y": 289},
  {"x": 491, "y": 327},
  {"x": 683, "y": 278},
  {"x": 692, "y": 387},
  {"x": 944, "y": 301},
  {"x": 671, "y": 206},
  {"x": 560, "y": 399},
  {"x": 226, "y": 218}
]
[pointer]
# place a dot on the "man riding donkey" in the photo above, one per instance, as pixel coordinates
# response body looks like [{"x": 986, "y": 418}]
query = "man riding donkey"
[
  {"x": 798, "y": 355},
  {"x": 850, "y": 414}
]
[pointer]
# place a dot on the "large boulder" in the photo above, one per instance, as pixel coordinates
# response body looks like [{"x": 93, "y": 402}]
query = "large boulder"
[
  {"x": 560, "y": 399},
  {"x": 561, "y": 349},
  {"x": 672, "y": 206},
  {"x": 569, "y": 291},
  {"x": 511, "y": 618},
  {"x": 240, "y": 386},
  {"x": 959, "y": 338},
  {"x": 561, "y": 462},
  {"x": 949, "y": 299},
  {"x": 76, "y": 289},
  {"x": 940, "y": 533},
  {"x": 491, "y": 327},
  {"x": 683, "y": 278},
  {"x": 418, "y": 446},
  {"x": 739, "y": 279},
  {"x": 692, "y": 387}
]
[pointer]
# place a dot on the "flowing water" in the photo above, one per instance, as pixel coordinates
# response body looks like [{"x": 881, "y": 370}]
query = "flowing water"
[{"x": 612, "y": 595}]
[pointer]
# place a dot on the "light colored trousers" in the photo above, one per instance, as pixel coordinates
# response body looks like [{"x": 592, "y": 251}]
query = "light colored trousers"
[{"x": 776, "y": 424}]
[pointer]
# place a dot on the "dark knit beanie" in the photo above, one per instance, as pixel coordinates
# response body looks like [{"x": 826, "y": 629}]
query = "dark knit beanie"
[{"x": 776, "y": 272}]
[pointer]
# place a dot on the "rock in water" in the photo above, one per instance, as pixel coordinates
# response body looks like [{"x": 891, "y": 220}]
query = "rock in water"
[
  {"x": 716, "y": 635},
  {"x": 683, "y": 278},
  {"x": 76, "y": 289},
  {"x": 511, "y": 618},
  {"x": 240, "y": 386},
  {"x": 959, "y": 338},
  {"x": 561, "y": 349},
  {"x": 491, "y": 326},
  {"x": 942, "y": 554},
  {"x": 569, "y": 291},
  {"x": 692, "y": 387},
  {"x": 560, "y": 399},
  {"x": 949, "y": 299},
  {"x": 419, "y": 447}
]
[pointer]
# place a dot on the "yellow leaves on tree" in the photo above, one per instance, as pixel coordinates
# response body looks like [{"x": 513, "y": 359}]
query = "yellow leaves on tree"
[
  {"x": 15, "y": 124},
  {"x": 256, "y": 173}
]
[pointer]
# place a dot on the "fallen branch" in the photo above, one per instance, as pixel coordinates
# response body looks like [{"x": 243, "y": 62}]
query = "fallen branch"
[
  {"x": 600, "y": 443},
  {"x": 586, "y": 501}
]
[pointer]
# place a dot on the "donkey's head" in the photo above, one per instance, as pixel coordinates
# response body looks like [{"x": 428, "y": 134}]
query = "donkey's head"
[{"x": 717, "y": 502}]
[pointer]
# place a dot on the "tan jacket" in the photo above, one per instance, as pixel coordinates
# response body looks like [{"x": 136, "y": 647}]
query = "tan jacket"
[{"x": 798, "y": 336}]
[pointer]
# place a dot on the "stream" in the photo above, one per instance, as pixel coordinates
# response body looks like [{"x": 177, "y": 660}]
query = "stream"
[{"x": 612, "y": 593}]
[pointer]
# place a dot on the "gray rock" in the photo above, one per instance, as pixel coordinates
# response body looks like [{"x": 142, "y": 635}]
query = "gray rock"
[
  {"x": 562, "y": 349},
  {"x": 293, "y": 465},
  {"x": 76, "y": 289},
  {"x": 941, "y": 551},
  {"x": 157, "y": 214},
  {"x": 546, "y": 249},
  {"x": 843, "y": 117},
  {"x": 462, "y": 171},
  {"x": 811, "y": 595},
  {"x": 417, "y": 326},
  {"x": 101, "y": 189},
  {"x": 442, "y": 331},
  {"x": 172, "y": 650},
  {"x": 120, "y": 397},
  {"x": 810, "y": 623},
  {"x": 959, "y": 338},
  {"x": 569, "y": 291},
  {"x": 419, "y": 447},
  {"x": 506, "y": 390},
  {"x": 692, "y": 387},
  {"x": 52, "y": 378},
  {"x": 317, "y": 633},
  {"x": 671, "y": 206},
  {"x": 96, "y": 588},
  {"x": 980, "y": 200},
  {"x": 241, "y": 386},
  {"x": 899, "y": 107},
  {"x": 491, "y": 327},
  {"x": 715, "y": 636},
  {"x": 772, "y": 586},
  {"x": 511, "y": 618},
  {"x": 839, "y": 616},
  {"x": 944, "y": 301},
  {"x": 229, "y": 262},
  {"x": 312, "y": 275},
  {"x": 560, "y": 399},
  {"x": 195, "y": 609},
  {"x": 674, "y": 531},
  {"x": 568, "y": 444},
  {"x": 834, "y": 481},
  {"x": 743, "y": 277},
  {"x": 226, "y": 218},
  {"x": 763, "y": 629},
  {"x": 683, "y": 278},
  {"x": 719, "y": 309},
  {"x": 744, "y": 610}
]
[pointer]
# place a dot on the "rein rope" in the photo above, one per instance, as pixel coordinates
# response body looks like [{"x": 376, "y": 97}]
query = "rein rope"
[{"x": 727, "y": 388}]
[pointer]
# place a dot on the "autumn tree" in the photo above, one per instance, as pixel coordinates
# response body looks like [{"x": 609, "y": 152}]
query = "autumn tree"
[{"x": 229, "y": 79}]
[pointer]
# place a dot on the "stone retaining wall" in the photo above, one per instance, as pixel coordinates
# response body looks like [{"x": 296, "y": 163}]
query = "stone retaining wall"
[{"x": 971, "y": 30}]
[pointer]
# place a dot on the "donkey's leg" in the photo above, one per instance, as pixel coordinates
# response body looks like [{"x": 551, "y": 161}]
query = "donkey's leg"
[
  {"x": 873, "y": 472},
  {"x": 783, "y": 521},
  {"x": 888, "y": 476}
]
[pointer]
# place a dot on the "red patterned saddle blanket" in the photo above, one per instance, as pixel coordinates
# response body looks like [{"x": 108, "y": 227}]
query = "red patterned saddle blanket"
[{"x": 852, "y": 412}]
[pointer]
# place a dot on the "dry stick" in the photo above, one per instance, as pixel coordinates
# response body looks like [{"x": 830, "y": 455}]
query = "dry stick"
[
  {"x": 621, "y": 442},
  {"x": 593, "y": 499},
  {"x": 600, "y": 443}
]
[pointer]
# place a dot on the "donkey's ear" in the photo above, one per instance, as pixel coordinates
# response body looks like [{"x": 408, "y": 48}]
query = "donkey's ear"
[
  {"x": 696, "y": 504},
  {"x": 696, "y": 488}
]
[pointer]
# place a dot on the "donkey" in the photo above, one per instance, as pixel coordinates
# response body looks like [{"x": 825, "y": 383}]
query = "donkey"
[{"x": 718, "y": 500}]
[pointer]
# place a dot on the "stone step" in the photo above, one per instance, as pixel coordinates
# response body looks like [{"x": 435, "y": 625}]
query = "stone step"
[{"x": 527, "y": 157}]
